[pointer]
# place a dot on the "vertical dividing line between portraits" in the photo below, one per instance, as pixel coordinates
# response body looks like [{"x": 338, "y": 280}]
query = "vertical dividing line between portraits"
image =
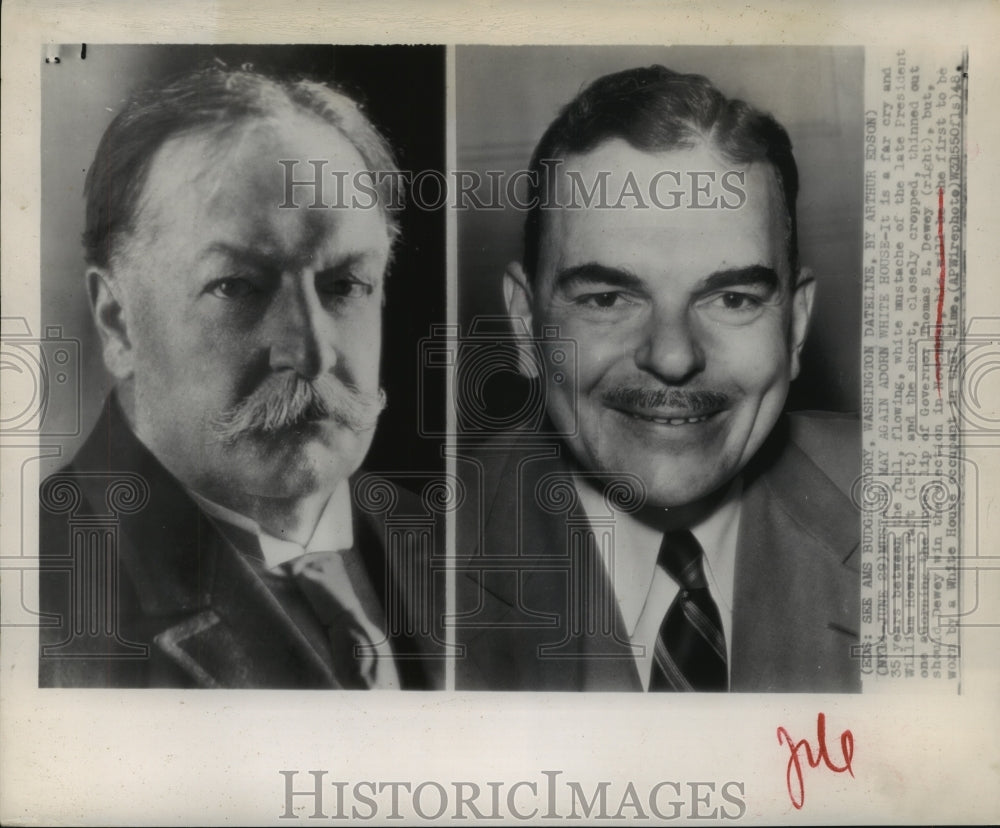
[{"x": 451, "y": 255}]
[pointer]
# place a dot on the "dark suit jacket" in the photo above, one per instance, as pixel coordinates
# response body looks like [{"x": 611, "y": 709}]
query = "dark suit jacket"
[
  {"x": 139, "y": 588},
  {"x": 536, "y": 609}
]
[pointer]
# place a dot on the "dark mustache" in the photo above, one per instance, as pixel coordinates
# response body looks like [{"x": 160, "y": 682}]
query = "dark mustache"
[
  {"x": 650, "y": 399},
  {"x": 286, "y": 400}
]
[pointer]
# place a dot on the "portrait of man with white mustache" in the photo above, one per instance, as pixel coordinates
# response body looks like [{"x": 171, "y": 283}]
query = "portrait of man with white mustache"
[{"x": 242, "y": 325}]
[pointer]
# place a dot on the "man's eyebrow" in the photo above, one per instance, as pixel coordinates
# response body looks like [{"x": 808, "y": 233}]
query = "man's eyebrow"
[
  {"x": 239, "y": 252},
  {"x": 349, "y": 261},
  {"x": 742, "y": 277},
  {"x": 593, "y": 273},
  {"x": 269, "y": 258}
]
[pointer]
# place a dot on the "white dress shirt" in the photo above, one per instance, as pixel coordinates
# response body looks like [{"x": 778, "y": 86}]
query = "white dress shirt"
[
  {"x": 333, "y": 537},
  {"x": 644, "y": 591}
]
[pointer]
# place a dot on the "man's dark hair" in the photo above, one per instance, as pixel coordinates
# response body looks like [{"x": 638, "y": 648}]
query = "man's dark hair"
[
  {"x": 215, "y": 99},
  {"x": 656, "y": 109}
]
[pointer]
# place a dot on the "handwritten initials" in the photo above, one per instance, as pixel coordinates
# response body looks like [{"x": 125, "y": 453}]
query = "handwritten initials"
[{"x": 793, "y": 772}]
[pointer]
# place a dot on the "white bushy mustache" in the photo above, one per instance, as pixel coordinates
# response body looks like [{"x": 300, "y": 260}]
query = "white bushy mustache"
[{"x": 285, "y": 400}]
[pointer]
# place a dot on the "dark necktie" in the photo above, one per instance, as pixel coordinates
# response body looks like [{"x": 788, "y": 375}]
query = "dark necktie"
[
  {"x": 323, "y": 580},
  {"x": 690, "y": 652}
]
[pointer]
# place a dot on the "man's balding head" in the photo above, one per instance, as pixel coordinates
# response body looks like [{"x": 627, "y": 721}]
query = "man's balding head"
[{"x": 216, "y": 101}]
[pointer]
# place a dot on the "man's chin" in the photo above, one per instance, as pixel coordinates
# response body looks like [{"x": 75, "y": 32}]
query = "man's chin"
[
  {"x": 300, "y": 463},
  {"x": 671, "y": 497},
  {"x": 301, "y": 479},
  {"x": 669, "y": 484}
]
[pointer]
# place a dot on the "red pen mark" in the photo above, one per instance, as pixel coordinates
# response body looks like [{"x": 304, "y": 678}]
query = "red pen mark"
[
  {"x": 793, "y": 773},
  {"x": 940, "y": 302}
]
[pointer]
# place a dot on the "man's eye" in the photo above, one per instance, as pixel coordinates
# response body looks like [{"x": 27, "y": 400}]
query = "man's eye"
[
  {"x": 602, "y": 301},
  {"x": 234, "y": 287},
  {"x": 345, "y": 288},
  {"x": 738, "y": 301},
  {"x": 733, "y": 307}
]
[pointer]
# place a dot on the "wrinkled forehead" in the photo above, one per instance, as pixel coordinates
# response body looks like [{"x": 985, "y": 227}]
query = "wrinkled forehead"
[
  {"x": 290, "y": 182},
  {"x": 617, "y": 205},
  {"x": 296, "y": 153}
]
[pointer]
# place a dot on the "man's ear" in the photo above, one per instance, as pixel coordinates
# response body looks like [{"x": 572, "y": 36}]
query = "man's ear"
[
  {"x": 110, "y": 319},
  {"x": 802, "y": 305},
  {"x": 518, "y": 298}
]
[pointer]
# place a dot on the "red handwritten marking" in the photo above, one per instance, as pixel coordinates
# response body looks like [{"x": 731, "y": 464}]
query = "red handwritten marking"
[
  {"x": 940, "y": 302},
  {"x": 793, "y": 772}
]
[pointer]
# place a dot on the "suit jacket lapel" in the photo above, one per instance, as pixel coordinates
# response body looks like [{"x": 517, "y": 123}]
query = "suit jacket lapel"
[
  {"x": 796, "y": 604},
  {"x": 245, "y": 638},
  {"x": 211, "y": 615},
  {"x": 410, "y": 595},
  {"x": 242, "y": 637},
  {"x": 542, "y": 612}
]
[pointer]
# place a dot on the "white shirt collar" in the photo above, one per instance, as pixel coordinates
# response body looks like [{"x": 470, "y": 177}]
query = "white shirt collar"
[
  {"x": 333, "y": 532},
  {"x": 637, "y": 546},
  {"x": 718, "y": 534}
]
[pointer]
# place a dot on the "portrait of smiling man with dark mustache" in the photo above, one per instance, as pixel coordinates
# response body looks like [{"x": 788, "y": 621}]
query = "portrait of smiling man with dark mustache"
[
  {"x": 243, "y": 332},
  {"x": 732, "y": 564}
]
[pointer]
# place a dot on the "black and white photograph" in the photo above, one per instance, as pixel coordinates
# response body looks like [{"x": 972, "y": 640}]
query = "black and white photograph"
[
  {"x": 688, "y": 245},
  {"x": 623, "y": 376},
  {"x": 248, "y": 299}
]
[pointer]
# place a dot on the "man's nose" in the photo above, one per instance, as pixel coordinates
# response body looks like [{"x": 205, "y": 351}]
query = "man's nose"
[
  {"x": 671, "y": 347},
  {"x": 301, "y": 329}
]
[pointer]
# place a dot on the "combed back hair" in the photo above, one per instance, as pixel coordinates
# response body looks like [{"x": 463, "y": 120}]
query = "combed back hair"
[
  {"x": 215, "y": 99},
  {"x": 655, "y": 109}
]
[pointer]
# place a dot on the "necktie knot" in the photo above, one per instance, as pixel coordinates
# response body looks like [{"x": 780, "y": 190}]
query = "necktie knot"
[{"x": 681, "y": 557}]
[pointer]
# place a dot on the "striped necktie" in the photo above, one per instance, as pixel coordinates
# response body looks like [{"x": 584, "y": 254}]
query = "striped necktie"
[{"x": 690, "y": 651}]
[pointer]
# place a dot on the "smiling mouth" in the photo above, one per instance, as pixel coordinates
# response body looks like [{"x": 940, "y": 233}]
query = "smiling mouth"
[
  {"x": 673, "y": 407},
  {"x": 673, "y": 421},
  {"x": 668, "y": 421}
]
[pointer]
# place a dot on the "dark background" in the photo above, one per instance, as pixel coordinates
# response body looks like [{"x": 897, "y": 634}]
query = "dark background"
[
  {"x": 507, "y": 96},
  {"x": 402, "y": 89}
]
